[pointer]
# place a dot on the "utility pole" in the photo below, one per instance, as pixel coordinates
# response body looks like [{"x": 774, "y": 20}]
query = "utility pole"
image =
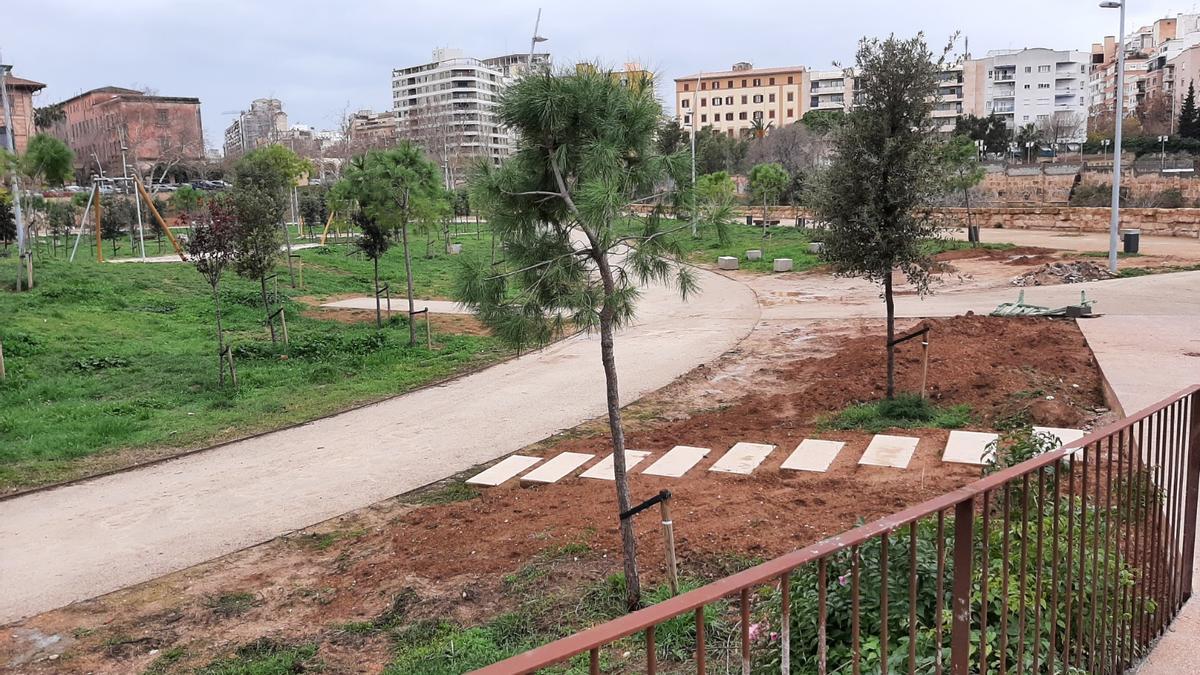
[
  {"x": 11, "y": 144},
  {"x": 1118, "y": 118}
]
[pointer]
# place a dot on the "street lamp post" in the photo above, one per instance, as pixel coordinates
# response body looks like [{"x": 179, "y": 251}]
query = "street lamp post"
[
  {"x": 979, "y": 149},
  {"x": 1162, "y": 153},
  {"x": 1028, "y": 152},
  {"x": 1104, "y": 148},
  {"x": 1114, "y": 221}
]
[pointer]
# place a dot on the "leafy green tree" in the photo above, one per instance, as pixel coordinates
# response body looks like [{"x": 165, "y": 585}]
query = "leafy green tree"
[
  {"x": 49, "y": 115},
  {"x": 1189, "y": 117},
  {"x": 885, "y": 174},
  {"x": 758, "y": 129},
  {"x": 587, "y": 151},
  {"x": 271, "y": 172},
  {"x": 671, "y": 137},
  {"x": 822, "y": 121},
  {"x": 1026, "y": 134},
  {"x": 117, "y": 216},
  {"x": 8, "y": 219},
  {"x": 49, "y": 160},
  {"x": 257, "y": 239},
  {"x": 211, "y": 249},
  {"x": 373, "y": 242},
  {"x": 716, "y": 196},
  {"x": 963, "y": 172},
  {"x": 401, "y": 189},
  {"x": 186, "y": 199},
  {"x": 990, "y": 129},
  {"x": 715, "y": 184},
  {"x": 716, "y": 151},
  {"x": 314, "y": 208},
  {"x": 767, "y": 184},
  {"x": 60, "y": 217}
]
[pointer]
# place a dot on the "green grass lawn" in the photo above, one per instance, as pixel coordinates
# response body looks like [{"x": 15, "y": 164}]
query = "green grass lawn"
[
  {"x": 778, "y": 242},
  {"x": 108, "y": 357}
]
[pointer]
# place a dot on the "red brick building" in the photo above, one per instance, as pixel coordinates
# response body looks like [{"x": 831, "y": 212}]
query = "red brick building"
[
  {"x": 20, "y": 97},
  {"x": 160, "y": 133}
]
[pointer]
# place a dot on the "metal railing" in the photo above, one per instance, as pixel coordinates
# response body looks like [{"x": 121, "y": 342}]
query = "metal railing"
[{"x": 1073, "y": 561}]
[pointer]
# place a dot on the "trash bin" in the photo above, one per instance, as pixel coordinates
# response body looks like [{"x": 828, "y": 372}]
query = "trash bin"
[{"x": 1132, "y": 239}]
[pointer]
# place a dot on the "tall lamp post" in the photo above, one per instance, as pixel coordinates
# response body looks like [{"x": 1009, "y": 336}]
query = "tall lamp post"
[
  {"x": 1162, "y": 153},
  {"x": 1104, "y": 148},
  {"x": 1118, "y": 118}
]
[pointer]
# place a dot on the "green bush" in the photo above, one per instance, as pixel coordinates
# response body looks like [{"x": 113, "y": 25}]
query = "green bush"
[{"x": 905, "y": 411}]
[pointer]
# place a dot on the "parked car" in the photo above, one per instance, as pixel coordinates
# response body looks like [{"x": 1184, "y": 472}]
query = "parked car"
[
  {"x": 74, "y": 188},
  {"x": 106, "y": 189}
]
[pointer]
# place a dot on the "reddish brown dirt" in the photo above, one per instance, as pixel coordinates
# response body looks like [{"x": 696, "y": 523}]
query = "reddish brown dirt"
[
  {"x": 454, "y": 556},
  {"x": 1020, "y": 255},
  {"x": 460, "y": 324}
]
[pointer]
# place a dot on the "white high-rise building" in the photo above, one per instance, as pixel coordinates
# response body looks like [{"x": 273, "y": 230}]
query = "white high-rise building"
[
  {"x": 1042, "y": 87},
  {"x": 448, "y": 106}
]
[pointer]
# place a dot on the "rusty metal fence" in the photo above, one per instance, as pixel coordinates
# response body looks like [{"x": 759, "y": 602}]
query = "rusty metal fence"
[{"x": 1073, "y": 561}]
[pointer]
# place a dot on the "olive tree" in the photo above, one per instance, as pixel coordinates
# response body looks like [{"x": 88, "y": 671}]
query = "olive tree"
[
  {"x": 587, "y": 152},
  {"x": 885, "y": 174},
  {"x": 767, "y": 184}
]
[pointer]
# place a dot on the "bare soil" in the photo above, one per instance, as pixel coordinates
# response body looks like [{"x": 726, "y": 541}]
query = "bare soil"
[{"x": 452, "y": 558}]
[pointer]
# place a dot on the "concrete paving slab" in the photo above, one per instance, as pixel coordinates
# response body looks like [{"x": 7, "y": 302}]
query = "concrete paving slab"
[
  {"x": 813, "y": 455},
  {"x": 742, "y": 458},
  {"x": 604, "y": 470},
  {"x": 1064, "y": 436},
  {"x": 507, "y": 468},
  {"x": 400, "y": 305},
  {"x": 890, "y": 451},
  {"x": 968, "y": 447},
  {"x": 678, "y": 461},
  {"x": 556, "y": 468}
]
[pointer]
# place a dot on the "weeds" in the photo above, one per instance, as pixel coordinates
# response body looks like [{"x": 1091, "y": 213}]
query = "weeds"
[
  {"x": 265, "y": 657},
  {"x": 906, "y": 411},
  {"x": 231, "y": 604}
]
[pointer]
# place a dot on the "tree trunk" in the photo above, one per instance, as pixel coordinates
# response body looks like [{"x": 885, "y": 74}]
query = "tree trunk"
[
  {"x": 262, "y": 282},
  {"x": 220, "y": 338},
  {"x": 970, "y": 232},
  {"x": 378, "y": 314},
  {"x": 633, "y": 586},
  {"x": 891, "y": 332},
  {"x": 764, "y": 217},
  {"x": 412, "y": 326}
]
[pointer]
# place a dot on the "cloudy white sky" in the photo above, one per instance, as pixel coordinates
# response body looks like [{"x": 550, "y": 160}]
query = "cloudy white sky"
[{"x": 321, "y": 58}]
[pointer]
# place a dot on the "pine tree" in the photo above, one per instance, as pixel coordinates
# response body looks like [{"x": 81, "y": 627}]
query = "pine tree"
[{"x": 1189, "y": 122}]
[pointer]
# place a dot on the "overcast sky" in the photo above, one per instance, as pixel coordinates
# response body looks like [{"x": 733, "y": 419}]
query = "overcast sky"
[{"x": 321, "y": 58}]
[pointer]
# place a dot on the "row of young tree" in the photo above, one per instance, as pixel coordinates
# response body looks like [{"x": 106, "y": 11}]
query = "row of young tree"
[{"x": 591, "y": 148}]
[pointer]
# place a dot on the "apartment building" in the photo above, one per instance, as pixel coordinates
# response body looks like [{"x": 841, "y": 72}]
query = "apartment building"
[
  {"x": 1032, "y": 86},
  {"x": 260, "y": 125},
  {"x": 734, "y": 101},
  {"x": 20, "y": 97},
  {"x": 106, "y": 126},
  {"x": 369, "y": 129},
  {"x": 449, "y": 105},
  {"x": 829, "y": 89}
]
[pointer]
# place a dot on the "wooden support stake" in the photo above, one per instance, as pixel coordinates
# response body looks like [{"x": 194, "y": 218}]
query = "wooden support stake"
[
  {"x": 2, "y": 372},
  {"x": 300, "y": 269},
  {"x": 428, "y": 331},
  {"x": 925, "y": 364},
  {"x": 669, "y": 541},
  {"x": 325, "y": 232},
  {"x": 158, "y": 217},
  {"x": 29, "y": 269},
  {"x": 283, "y": 325},
  {"x": 96, "y": 218},
  {"x": 232, "y": 367}
]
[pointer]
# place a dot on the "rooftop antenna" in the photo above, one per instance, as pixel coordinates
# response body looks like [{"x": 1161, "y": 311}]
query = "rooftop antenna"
[{"x": 536, "y": 38}]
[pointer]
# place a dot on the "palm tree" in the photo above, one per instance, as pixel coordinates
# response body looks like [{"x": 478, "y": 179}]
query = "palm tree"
[
  {"x": 758, "y": 129},
  {"x": 46, "y": 116}
]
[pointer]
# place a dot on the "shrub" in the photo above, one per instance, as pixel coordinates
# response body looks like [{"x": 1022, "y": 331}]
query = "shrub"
[{"x": 906, "y": 411}]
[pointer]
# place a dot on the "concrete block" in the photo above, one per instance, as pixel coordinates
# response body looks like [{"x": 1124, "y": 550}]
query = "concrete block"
[
  {"x": 727, "y": 262},
  {"x": 890, "y": 451},
  {"x": 754, "y": 254},
  {"x": 678, "y": 461},
  {"x": 742, "y": 458},
  {"x": 1064, "y": 436},
  {"x": 816, "y": 247},
  {"x": 455, "y": 249},
  {"x": 556, "y": 468},
  {"x": 813, "y": 455},
  {"x": 503, "y": 470},
  {"x": 968, "y": 447},
  {"x": 782, "y": 264},
  {"x": 603, "y": 470}
]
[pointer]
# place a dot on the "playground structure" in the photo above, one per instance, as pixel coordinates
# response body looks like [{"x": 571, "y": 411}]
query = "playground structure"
[{"x": 141, "y": 196}]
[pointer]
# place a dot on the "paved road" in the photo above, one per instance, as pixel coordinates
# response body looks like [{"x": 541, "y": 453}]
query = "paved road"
[
  {"x": 86, "y": 539},
  {"x": 1185, "y": 247}
]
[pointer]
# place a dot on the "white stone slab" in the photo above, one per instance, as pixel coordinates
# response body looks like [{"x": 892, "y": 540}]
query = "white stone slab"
[
  {"x": 556, "y": 468},
  {"x": 604, "y": 470},
  {"x": 727, "y": 262},
  {"x": 742, "y": 458},
  {"x": 678, "y": 461},
  {"x": 754, "y": 254},
  {"x": 1065, "y": 436},
  {"x": 968, "y": 447},
  {"x": 813, "y": 455},
  {"x": 782, "y": 264},
  {"x": 502, "y": 471},
  {"x": 891, "y": 451},
  {"x": 400, "y": 305}
]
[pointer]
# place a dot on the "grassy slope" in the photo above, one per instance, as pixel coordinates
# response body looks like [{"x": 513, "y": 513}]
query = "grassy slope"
[
  {"x": 780, "y": 242},
  {"x": 105, "y": 357}
]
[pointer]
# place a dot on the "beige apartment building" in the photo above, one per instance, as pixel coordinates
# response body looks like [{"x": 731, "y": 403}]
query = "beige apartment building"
[{"x": 731, "y": 101}]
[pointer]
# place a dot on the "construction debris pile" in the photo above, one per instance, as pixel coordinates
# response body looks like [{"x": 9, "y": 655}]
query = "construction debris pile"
[{"x": 1066, "y": 272}]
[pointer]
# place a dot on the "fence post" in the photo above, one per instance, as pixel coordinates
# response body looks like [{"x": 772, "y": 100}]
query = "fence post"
[
  {"x": 964, "y": 548},
  {"x": 1193, "y": 488}
]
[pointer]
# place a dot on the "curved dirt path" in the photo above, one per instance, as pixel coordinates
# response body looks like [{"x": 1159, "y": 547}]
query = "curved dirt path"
[{"x": 89, "y": 538}]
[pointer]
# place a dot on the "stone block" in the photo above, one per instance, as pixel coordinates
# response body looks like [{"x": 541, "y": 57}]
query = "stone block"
[
  {"x": 782, "y": 264},
  {"x": 816, "y": 247},
  {"x": 890, "y": 451},
  {"x": 968, "y": 447},
  {"x": 813, "y": 455},
  {"x": 727, "y": 262},
  {"x": 503, "y": 470},
  {"x": 678, "y": 461},
  {"x": 455, "y": 249},
  {"x": 754, "y": 254},
  {"x": 604, "y": 470},
  {"x": 742, "y": 458},
  {"x": 557, "y": 468}
]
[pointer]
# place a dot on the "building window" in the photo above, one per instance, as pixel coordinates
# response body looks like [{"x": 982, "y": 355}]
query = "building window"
[
  {"x": 790, "y": 113},
  {"x": 1041, "y": 69},
  {"x": 816, "y": 102},
  {"x": 757, "y": 82},
  {"x": 789, "y": 79},
  {"x": 728, "y": 117},
  {"x": 741, "y": 116},
  {"x": 1026, "y": 86},
  {"x": 703, "y": 86},
  {"x": 730, "y": 84},
  {"x": 1043, "y": 85},
  {"x": 162, "y": 118},
  {"x": 687, "y": 120},
  {"x": 758, "y": 98},
  {"x": 703, "y": 102},
  {"x": 791, "y": 96},
  {"x": 744, "y": 99},
  {"x": 771, "y": 81},
  {"x": 728, "y": 100},
  {"x": 771, "y": 114},
  {"x": 757, "y": 115},
  {"x": 687, "y": 87},
  {"x": 716, "y": 101},
  {"x": 703, "y": 118},
  {"x": 743, "y": 83},
  {"x": 716, "y": 85},
  {"x": 771, "y": 98},
  {"x": 684, "y": 103},
  {"x": 1029, "y": 69}
]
